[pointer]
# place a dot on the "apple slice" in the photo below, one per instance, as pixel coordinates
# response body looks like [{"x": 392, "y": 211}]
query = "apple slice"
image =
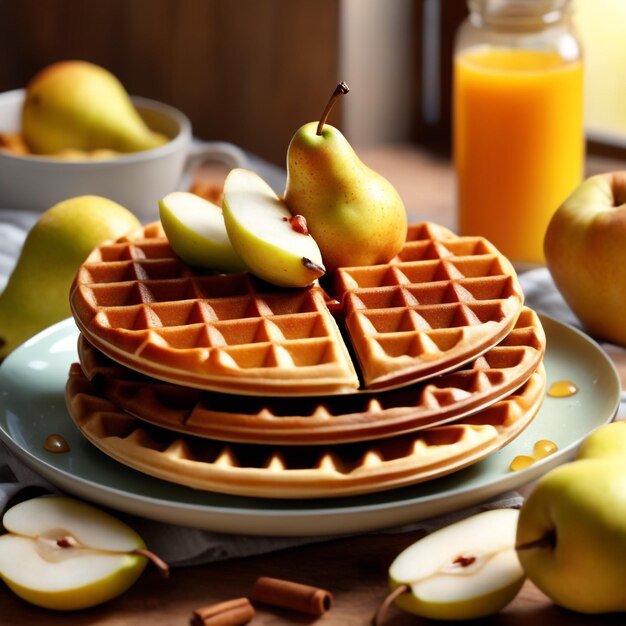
[
  {"x": 464, "y": 571},
  {"x": 60, "y": 553},
  {"x": 196, "y": 231},
  {"x": 273, "y": 244}
]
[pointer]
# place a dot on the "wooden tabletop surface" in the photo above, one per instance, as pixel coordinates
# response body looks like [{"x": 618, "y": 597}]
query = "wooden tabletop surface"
[{"x": 354, "y": 569}]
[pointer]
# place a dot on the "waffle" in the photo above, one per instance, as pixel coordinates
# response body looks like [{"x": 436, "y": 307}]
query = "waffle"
[
  {"x": 301, "y": 471},
  {"x": 334, "y": 419},
  {"x": 440, "y": 303}
]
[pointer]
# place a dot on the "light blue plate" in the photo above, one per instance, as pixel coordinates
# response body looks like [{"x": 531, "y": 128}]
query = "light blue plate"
[{"x": 32, "y": 406}]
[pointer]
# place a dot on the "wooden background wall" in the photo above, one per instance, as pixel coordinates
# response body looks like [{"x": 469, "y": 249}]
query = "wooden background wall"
[{"x": 246, "y": 71}]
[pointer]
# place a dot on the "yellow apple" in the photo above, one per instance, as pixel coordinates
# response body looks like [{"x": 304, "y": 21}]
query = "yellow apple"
[
  {"x": 585, "y": 251},
  {"x": 571, "y": 535},
  {"x": 608, "y": 441}
]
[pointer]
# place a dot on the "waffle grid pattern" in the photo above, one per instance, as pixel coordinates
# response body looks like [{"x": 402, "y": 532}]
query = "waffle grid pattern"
[
  {"x": 137, "y": 299},
  {"x": 330, "y": 420},
  {"x": 437, "y": 305},
  {"x": 305, "y": 471},
  {"x": 443, "y": 301}
]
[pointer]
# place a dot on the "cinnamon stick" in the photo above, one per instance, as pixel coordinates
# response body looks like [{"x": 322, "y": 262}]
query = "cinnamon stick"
[
  {"x": 229, "y": 613},
  {"x": 291, "y": 595}
]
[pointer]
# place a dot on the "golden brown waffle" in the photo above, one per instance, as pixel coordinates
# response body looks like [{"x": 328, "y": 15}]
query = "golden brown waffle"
[
  {"x": 335, "y": 419},
  {"x": 443, "y": 301},
  {"x": 142, "y": 306},
  {"x": 299, "y": 471}
]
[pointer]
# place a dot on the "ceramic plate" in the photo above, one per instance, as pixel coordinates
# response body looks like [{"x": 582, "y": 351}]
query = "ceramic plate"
[{"x": 32, "y": 406}]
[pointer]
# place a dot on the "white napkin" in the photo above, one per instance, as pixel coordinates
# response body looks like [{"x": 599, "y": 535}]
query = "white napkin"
[{"x": 187, "y": 546}]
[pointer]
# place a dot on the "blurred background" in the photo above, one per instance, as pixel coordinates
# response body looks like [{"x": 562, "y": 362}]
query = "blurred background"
[{"x": 252, "y": 71}]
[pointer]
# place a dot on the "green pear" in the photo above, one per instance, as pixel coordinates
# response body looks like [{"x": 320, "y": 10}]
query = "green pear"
[
  {"x": 571, "y": 535},
  {"x": 79, "y": 105},
  {"x": 37, "y": 293},
  {"x": 356, "y": 215},
  {"x": 608, "y": 441}
]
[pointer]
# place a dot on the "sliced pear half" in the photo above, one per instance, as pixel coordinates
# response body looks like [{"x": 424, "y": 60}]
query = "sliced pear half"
[
  {"x": 63, "y": 554},
  {"x": 464, "y": 571},
  {"x": 272, "y": 243}
]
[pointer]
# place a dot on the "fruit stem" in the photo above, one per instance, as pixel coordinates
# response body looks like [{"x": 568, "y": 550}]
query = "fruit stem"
[
  {"x": 381, "y": 613},
  {"x": 340, "y": 90},
  {"x": 158, "y": 562}
]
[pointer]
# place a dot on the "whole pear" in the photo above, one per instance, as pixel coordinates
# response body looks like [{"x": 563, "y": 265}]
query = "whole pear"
[
  {"x": 81, "y": 106},
  {"x": 37, "y": 293},
  {"x": 354, "y": 214},
  {"x": 571, "y": 535}
]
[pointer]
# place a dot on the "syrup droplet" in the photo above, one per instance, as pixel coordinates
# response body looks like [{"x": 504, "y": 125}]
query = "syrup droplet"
[
  {"x": 56, "y": 443},
  {"x": 562, "y": 389},
  {"x": 544, "y": 448},
  {"x": 521, "y": 462}
]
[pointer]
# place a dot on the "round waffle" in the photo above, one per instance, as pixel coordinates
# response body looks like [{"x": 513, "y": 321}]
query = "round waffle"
[
  {"x": 334, "y": 419},
  {"x": 299, "y": 471},
  {"x": 440, "y": 303}
]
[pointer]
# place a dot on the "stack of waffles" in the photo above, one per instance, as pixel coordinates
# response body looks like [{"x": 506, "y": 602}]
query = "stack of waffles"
[{"x": 381, "y": 377}]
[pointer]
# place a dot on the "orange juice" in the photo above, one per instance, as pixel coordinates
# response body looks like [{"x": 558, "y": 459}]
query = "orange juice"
[{"x": 518, "y": 144}]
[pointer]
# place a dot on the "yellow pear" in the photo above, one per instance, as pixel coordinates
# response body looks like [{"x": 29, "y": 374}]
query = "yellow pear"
[
  {"x": 81, "y": 106},
  {"x": 354, "y": 214},
  {"x": 37, "y": 294}
]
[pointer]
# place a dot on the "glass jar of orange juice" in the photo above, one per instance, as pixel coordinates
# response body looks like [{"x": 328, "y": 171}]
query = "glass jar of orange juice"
[{"x": 518, "y": 136}]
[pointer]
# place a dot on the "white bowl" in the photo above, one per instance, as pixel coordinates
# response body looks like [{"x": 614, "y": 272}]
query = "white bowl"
[{"x": 136, "y": 181}]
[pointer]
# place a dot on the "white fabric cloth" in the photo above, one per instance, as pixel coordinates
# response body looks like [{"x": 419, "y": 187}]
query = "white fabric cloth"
[{"x": 185, "y": 546}]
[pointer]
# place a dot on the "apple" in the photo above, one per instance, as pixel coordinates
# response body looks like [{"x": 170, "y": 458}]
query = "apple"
[
  {"x": 571, "y": 535},
  {"x": 585, "y": 252},
  {"x": 608, "y": 441},
  {"x": 60, "y": 553},
  {"x": 196, "y": 231},
  {"x": 466, "y": 570},
  {"x": 273, "y": 244}
]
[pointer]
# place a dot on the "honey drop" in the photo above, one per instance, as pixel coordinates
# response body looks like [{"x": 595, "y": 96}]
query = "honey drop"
[
  {"x": 544, "y": 448},
  {"x": 562, "y": 389},
  {"x": 56, "y": 443},
  {"x": 521, "y": 462}
]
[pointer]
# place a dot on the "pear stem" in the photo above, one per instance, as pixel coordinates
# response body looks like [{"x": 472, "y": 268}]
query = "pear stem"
[
  {"x": 340, "y": 90},
  {"x": 158, "y": 562},
  {"x": 381, "y": 613}
]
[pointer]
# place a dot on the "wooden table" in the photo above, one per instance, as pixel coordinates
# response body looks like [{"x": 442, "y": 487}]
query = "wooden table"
[{"x": 355, "y": 568}]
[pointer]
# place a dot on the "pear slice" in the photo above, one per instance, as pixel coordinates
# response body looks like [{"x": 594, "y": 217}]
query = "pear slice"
[
  {"x": 61, "y": 553},
  {"x": 464, "y": 571},
  {"x": 273, "y": 244},
  {"x": 196, "y": 231}
]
